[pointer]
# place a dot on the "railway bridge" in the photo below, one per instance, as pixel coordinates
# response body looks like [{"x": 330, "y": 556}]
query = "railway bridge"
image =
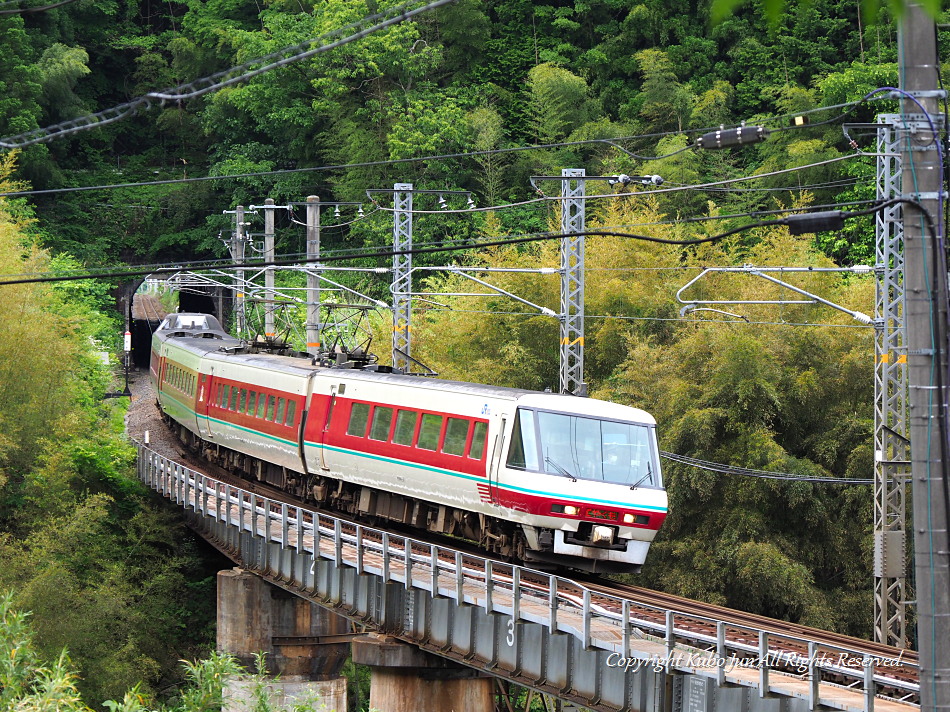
[{"x": 456, "y": 620}]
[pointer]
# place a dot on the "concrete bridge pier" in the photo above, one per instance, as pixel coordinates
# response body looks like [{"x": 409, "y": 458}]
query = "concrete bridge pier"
[
  {"x": 306, "y": 645},
  {"x": 406, "y": 679}
]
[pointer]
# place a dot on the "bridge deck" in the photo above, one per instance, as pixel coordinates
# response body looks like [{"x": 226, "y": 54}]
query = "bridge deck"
[{"x": 536, "y": 629}]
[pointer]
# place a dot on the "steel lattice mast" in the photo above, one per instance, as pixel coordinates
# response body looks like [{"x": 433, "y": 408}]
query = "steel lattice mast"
[
  {"x": 891, "y": 444},
  {"x": 572, "y": 281},
  {"x": 402, "y": 278}
]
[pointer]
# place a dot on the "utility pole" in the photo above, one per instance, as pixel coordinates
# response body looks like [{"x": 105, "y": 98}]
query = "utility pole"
[
  {"x": 313, "y": 279},
  {"x": 925, "y": 289},
  {"x": 238, "y": 244}
]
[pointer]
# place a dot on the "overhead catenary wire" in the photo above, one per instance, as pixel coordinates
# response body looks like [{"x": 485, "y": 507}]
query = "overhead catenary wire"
[{"x": 789, "y": 221}]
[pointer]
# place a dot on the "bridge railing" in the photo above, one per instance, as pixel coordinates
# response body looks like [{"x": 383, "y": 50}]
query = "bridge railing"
[{"x": 634, "y": 634}]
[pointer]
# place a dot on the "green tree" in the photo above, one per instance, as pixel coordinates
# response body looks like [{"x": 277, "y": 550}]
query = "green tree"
[
  {"x": 560, "y": 100},
  {"x": 665, "y": 102}
]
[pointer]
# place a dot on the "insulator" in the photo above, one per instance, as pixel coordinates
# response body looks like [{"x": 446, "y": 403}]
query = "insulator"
[
  {"x": 827, "y": 220},
  {"x": 724, "y": 138}
]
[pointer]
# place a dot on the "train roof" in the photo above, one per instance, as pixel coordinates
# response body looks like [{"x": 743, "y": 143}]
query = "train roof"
[{"x": 208, "y": 339}]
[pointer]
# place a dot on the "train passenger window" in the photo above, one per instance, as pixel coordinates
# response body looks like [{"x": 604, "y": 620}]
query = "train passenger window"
[
  {"x": 234, "y": 397},
  {"x": 456, "y": 434},
  {"x": 261, "y": 404},
  {"x": 382, "y": 419},
  {"x": 405, "y": 427},
  {"x": 280, "y": 410},
  {"x": 243, "y": 406},
  {"x": 291, "y": 407},
  {"x": 359, "y": 415},
  {"x": 429, "y": 431},
  {"x": 224, "y": 396},
  {"x": 523, "y": 451},
  {"x": 251, "y": 402},
  {"x": 479, "y": 436},
  {"x": 271, "y": 404}
]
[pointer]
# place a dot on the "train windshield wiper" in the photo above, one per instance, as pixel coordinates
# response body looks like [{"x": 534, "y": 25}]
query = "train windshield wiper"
[
  {"x": 558, "y": 469},
  {"x": 647, "y": 476}
]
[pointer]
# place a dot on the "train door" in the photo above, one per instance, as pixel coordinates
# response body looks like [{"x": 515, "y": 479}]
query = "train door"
[
  {"x": 308, "y": 413},
  {"x": 494, "y": 465},
  {"x": 325, "y": 426},
  {"x": 201, "y": 403},
  {"x": 210, "y": 387}
]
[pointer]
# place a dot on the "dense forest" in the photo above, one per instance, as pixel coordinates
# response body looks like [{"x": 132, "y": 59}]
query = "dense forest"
[{"x": 473, "y": 96}]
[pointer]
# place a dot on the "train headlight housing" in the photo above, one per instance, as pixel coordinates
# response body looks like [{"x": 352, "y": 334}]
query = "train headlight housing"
[
  {"x": 602, "y": 535},
  {"x": 568, "y": 509},
  {"x": 635, "y": 519}
]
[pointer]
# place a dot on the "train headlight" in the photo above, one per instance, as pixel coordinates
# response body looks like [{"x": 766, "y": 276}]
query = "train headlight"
[
  {"x": 628, "y": 519},
  {"x": 602, "y": 535},
  {"x": 568, "y": 509}
]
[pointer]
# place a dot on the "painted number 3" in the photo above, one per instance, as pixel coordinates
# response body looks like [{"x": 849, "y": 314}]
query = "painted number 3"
[{"x": 510, "y": 638}]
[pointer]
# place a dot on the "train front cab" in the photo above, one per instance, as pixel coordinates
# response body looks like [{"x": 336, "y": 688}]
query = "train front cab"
[{"x": 586, "y": 486}]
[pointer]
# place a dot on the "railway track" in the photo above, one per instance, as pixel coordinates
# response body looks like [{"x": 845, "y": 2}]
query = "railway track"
[
  {"x": 644, "y": 604},
  {"x": 788, "y": 643}
]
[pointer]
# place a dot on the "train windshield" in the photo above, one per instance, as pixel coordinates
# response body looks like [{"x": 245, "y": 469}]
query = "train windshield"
[{"x": 584, "y": 448}]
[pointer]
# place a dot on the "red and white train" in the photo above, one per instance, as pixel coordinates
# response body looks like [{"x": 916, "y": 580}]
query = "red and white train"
[{"x": 555, "y": 480}]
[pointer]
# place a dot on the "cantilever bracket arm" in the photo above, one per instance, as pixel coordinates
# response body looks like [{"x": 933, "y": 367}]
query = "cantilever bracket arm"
[
  {"x": 543, "y": 310},
  {"x": 761, "y": 272}
]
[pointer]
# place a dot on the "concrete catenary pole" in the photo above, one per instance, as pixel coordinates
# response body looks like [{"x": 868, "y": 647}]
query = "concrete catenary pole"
[
  {"x": 314, "y": 327},
  {"x": 237, "y": 254},
  {"x": 925, "y": 291}
]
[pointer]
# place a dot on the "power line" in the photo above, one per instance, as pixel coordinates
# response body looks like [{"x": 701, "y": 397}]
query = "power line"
[
  {"x": 761, "y": 474},
  {"x": 399, "y": 161},
  {"x": 797, "y": 223},
  {"x": 25, "y": 10},
  {"x": 227, "y": 77}
]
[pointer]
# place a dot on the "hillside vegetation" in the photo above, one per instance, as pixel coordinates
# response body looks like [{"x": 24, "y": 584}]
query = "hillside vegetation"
[
  {"x": 613, "y": 86},
  {"x": 108, "y": 574}
]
